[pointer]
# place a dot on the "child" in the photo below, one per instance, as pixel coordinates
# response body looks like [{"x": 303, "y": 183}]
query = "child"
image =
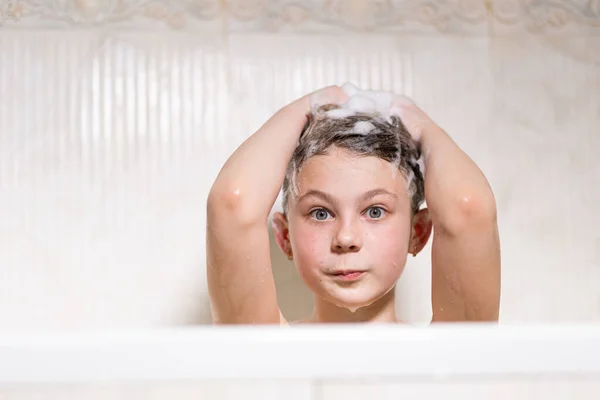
[{"x": 355, "y": 168}]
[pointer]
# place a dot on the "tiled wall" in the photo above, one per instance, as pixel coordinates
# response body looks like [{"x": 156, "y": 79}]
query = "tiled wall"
[
  {"x": 508, "y": 388},
  {"x": 114, "y": 121}
]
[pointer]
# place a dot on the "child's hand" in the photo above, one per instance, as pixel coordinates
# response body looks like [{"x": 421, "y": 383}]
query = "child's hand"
[
  {"x": 327, "y": 95},
  {"x": 413, "y": 118}
]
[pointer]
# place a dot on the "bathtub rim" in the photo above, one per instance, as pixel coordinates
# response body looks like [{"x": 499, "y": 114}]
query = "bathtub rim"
[{"x": 318, "y": 352}]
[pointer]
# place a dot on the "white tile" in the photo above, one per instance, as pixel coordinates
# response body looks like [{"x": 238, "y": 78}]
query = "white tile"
[
  {"x": 515, "y": 389},
  {"x": 541, "y": 155},
  {"x": 209, "y": 390}
]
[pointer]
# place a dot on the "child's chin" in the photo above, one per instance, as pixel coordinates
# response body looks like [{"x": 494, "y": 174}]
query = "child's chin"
[
  {"x": 354, "y": 301},
  {"x": 358, "y": 298}
]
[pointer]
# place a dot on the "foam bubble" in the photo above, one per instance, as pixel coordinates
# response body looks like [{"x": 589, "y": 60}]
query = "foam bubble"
[
  {"x": 409, "y": 179},
  {"x": 340, "y": 113},
  {"x": 421, "y": 162},
  {"x": 362, "y": 104},
  {"x": 363, "y": 127}
]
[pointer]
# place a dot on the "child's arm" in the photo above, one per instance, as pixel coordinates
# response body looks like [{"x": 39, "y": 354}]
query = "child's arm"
[
  {"x": 466, "y": 248},
  {"x": 240, "y": 280}
]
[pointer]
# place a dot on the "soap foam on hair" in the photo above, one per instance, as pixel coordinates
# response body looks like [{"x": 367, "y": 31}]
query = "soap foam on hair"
[
  {"x": 371, "y": 103},
  {"x": 363, "y": 102},
  {"x": 375, "y": 103},
  {"x": 340, "y": 113},
  {"x": 363, "y": 127}
]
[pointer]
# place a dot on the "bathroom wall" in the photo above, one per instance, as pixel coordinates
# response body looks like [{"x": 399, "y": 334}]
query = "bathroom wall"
[
  {"x": 115, "y": 118},
  {"x": 297, "y": 389}
]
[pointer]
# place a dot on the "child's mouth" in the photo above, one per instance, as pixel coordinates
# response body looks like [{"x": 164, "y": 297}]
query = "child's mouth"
[{"x": 347, "y": 275}]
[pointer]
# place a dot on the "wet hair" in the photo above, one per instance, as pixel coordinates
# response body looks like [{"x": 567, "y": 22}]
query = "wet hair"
[{"x": 361, "y": 135}]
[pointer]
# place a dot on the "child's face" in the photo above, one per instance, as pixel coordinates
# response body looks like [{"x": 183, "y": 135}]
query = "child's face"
[{"x": 349, "y": 227}]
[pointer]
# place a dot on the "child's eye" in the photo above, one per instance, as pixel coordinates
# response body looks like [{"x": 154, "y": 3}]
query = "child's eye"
[
  {"x": 375, "y": 212},
  {"x": 320, "y": 214}
]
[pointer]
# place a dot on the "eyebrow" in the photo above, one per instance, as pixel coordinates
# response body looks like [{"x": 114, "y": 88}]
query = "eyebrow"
[
  {"x": 329, "y": 198},
  {"x": 317, "y": 193},
  {"x": 376, "y": 192}
]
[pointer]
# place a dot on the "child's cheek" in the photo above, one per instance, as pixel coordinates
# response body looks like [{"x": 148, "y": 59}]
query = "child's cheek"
[
  {"x": 390, "y": 240},
  {"x": 311, "y": 246}
]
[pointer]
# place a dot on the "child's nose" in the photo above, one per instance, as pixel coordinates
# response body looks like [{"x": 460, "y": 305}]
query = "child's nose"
[{"x": 348, "y": 238}]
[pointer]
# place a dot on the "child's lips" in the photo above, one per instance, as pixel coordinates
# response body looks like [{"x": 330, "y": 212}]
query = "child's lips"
[{"x": 347, "y": 275}]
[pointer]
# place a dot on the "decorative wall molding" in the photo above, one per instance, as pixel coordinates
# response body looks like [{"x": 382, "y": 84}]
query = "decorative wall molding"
[
  {"x": 175, "y": 14},
  {"x": 545, "y": 16},
  {"x": 369, "y": 15},
  {"x": 420, "y": 16}
]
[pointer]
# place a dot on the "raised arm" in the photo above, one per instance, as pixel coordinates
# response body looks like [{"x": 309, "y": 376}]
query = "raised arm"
[
  {"x": 466, "y": 248},
  {"x": 240, "y": 279}
]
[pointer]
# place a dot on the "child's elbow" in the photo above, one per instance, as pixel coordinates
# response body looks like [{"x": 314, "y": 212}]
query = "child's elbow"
[
  {"x": 472, "y": 210},
  {"x": 231, "y": 204},
  {"x": 478, "y": 207}
]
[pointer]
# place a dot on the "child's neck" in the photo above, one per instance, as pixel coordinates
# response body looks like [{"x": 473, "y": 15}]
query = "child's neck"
[{"x": 382, "y": 310}]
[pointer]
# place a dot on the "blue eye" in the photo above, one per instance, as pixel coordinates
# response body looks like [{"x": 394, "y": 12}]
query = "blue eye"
[
  {"x": 375, "y": 212},
  {"x": 320, "y": 214}
]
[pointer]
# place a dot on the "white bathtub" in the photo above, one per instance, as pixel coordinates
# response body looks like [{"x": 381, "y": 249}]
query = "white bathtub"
[{"x": 327, "y": 362}]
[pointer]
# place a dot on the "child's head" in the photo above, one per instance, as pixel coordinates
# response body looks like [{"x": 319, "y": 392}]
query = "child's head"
[{"x": 352, "y": 194}]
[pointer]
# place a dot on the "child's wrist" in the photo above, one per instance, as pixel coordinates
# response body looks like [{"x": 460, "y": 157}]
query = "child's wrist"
[{"x": 426, "y": 139}]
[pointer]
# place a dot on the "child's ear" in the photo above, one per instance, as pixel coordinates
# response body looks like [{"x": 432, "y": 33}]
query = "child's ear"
[
  {"x": 282, "y": 237},
  {"x": 421, "y": 230}
]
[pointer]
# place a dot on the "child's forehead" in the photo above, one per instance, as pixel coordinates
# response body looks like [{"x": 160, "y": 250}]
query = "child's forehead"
[
  {"x": 335, "y": 154},
  {"x": 349, "y": 175},
  {"x": 339, "y": 162}
]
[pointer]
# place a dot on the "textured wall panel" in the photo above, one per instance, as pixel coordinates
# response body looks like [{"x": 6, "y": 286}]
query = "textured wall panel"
[{"x": 115, "y": 120}]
